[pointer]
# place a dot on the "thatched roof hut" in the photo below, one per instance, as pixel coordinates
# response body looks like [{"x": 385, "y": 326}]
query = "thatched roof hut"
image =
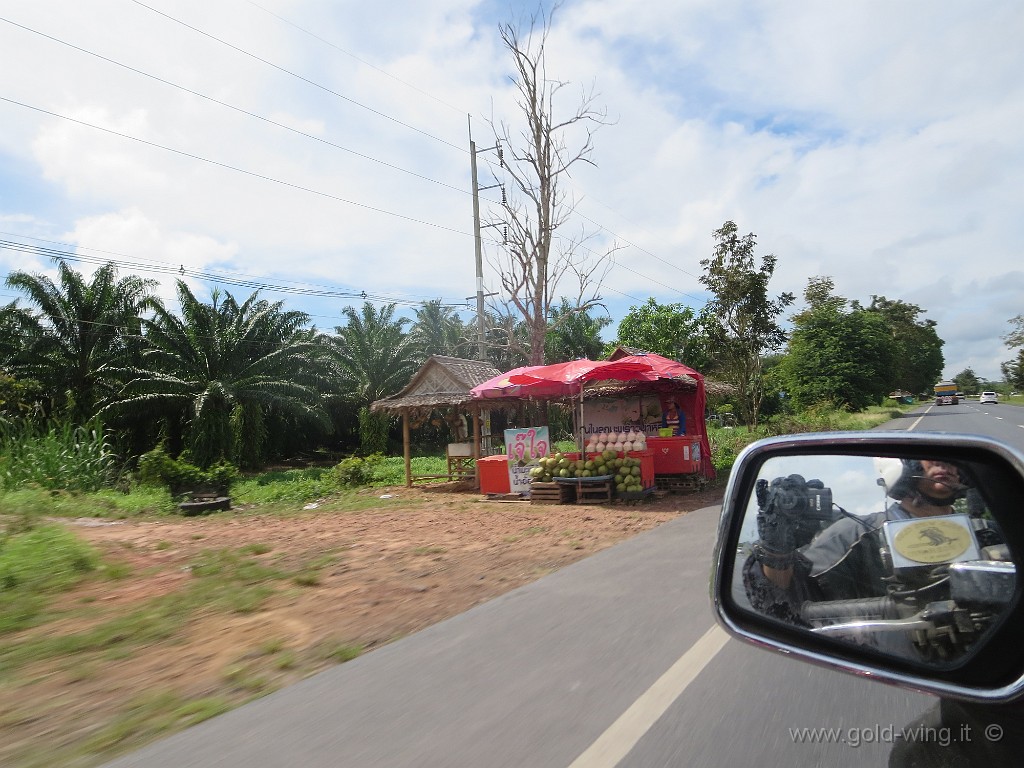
[{"x": 442, "y": 383}]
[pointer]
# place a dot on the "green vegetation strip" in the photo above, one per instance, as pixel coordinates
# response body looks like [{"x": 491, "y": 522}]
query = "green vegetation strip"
[{"x": 224, "y": 580}]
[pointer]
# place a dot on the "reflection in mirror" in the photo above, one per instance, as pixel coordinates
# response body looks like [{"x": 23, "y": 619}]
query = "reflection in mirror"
[{"x": 899, "y": 555}]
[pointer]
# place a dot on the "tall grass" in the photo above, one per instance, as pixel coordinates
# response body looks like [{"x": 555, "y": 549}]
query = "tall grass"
[{"x": 62, "y": 457}]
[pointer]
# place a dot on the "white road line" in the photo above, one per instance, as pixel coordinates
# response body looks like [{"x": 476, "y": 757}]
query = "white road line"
[
  {"x": 616, "y": 742},
  {"x": 918, "y": 421}
]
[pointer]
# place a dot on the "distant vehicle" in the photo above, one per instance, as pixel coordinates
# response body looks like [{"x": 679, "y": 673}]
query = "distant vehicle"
[
  {"x": 946, "y": 394},
  {"x": 988, "y": 397}
]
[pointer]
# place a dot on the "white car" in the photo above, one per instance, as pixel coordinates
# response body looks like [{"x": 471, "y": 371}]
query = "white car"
[{"x": 988, "y": 397}]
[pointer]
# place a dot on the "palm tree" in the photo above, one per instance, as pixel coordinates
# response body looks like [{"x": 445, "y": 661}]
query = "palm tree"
[
  {"x": 81, "y": 334},
  {"x": 574, "y": 334},
  {"x": 376, "y": 356},
  {"x": 223, "y": 369},
  {"x": 438, "y": 330}
]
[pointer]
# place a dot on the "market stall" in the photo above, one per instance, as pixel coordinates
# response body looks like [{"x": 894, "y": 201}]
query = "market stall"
[
  {"x": 662, "y": 399},
  {"x": 442, "y": 386}
]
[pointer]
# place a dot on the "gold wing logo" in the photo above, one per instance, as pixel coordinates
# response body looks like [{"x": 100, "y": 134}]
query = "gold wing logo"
[{"x": 932, "y": 541}]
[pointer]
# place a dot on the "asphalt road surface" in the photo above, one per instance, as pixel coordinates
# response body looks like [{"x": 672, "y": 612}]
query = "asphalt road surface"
[{"x": 615, "y": 660}]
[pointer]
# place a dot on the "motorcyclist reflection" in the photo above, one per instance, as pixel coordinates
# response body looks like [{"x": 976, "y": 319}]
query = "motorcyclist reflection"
[{"x": 918, "y": 579}]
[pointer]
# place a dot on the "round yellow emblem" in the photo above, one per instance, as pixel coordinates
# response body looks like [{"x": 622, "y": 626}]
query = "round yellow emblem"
[{"x": 932, "y": 541}]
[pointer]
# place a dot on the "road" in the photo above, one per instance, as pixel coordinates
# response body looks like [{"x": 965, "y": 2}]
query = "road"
[{"x": 615, "y": 660}]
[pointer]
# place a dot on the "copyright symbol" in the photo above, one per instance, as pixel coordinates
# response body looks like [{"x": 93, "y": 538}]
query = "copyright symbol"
[{"x": 994, "y": 732}]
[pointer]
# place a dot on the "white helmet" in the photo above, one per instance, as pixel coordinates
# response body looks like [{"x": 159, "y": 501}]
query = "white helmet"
[{"x": 889, "y": 470}]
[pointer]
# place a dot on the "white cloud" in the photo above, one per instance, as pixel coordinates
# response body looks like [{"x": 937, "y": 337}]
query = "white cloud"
[{"x": 874, "y": 142}]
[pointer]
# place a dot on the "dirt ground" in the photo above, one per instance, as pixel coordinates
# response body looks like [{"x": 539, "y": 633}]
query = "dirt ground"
[{"x": 410, "y": 558}]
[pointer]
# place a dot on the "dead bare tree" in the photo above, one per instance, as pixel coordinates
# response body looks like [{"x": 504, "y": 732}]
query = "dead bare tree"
[{"x": 538, "y": 259}]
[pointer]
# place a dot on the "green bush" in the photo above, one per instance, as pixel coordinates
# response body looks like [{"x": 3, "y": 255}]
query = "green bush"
[
  {"x": 293, "y": 485},
  {"x": 354, "y": 472},
  {"x": 159, "y": 469}
]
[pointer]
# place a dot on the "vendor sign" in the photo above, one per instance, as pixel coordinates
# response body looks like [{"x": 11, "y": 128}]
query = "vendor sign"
[{"x": 525, "y": 449}]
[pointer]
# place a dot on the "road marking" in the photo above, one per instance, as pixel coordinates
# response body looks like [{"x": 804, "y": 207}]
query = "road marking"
[
  {"x": 622, "y": 735},
  {"x": 911, "y": 427}
]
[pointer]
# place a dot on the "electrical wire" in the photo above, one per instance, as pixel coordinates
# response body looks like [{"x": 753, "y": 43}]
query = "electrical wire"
[
  {"x": 216, "y": 278},
  {"x": 298, "y": 76},
  {"x": 615, "y": 263},
  {"x": 233, "y": 107},
  {"x": 240, "y": 50},
  {"x": 235, "y": 168}
]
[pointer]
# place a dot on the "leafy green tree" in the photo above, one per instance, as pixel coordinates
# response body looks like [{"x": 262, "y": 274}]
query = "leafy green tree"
[
  {"x": 670, "y": 330},
  {"x": 836, "y": 356},
  {"x": 742, "y": 320},
  {"x": 438, "y": 330},
  {"x": 222, "y": 367},
  {"x": 967, "y": 382},
  {"x": 14, "y": 328},
  {"x": 574, "y": 334},
  {"x": 919, "y": 359},
  {"x": 1013, "y": 369},
  {"x": 80, "y": 334}
]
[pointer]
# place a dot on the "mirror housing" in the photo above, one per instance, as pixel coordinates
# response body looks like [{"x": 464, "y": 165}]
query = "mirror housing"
[{"x": 993, "y": 672}]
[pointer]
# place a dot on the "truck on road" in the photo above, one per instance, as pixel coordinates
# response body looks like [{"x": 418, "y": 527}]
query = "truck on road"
[{"x": 946, "y": 394}]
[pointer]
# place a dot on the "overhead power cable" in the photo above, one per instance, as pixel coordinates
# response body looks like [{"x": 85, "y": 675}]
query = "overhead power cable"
[
  {"x": 298, "y": 76},
  {"x": 213, "y": 277},
  {"x": 254, "y": 174},
  {"x": 232, "y": 106},
  {"x": 351, "y": 55}
]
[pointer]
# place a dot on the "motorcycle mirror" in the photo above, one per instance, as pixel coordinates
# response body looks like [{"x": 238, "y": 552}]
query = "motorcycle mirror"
[{"x": 891, "y": 555}]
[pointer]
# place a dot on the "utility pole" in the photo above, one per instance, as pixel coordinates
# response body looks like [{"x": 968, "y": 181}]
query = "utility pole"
[{"x": 480, "y": 327}]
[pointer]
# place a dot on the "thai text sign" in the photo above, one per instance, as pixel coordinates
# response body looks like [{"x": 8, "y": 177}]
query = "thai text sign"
[{"x": 525, "y": 448}]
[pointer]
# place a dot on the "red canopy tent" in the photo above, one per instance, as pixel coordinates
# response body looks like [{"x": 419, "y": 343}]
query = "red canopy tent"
[
  {"x": 692, "y": 406},
  {"x": 567, "y": 380},
  {"x": 561, "y": 379}
]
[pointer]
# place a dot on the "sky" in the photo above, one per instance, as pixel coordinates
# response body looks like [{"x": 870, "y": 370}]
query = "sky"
[{"x": 320, "y": 148}]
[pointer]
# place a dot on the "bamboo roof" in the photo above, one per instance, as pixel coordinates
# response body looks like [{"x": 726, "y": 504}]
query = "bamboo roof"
[{"x": 441, "y": 382}]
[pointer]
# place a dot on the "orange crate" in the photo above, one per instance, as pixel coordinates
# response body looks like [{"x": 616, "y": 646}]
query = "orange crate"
[{"x": 493, "y": 474}]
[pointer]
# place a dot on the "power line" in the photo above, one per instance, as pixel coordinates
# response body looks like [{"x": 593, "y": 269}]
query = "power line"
[
  {"x": 364, "y": 62},
  {"x": 332, "y": 45},
  {"x": 181, "y": 271},
  {"x": 297, "y": 76},
  {"x": 268, "y": 120},
  {"x": 219, "y": 164},
  {"x": 231, "y": 106}
]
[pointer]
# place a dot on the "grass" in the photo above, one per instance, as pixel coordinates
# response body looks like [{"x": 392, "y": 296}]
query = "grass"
[
  {"x": 36, "y": 564},
  {"x": 39, "y": 560},
  {"x": 152, "y": 714},
  {"x": 223, "y": 581}
]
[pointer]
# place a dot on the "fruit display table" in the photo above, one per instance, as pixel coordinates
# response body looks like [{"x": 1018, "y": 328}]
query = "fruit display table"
[{"x": 590, "y": 490}]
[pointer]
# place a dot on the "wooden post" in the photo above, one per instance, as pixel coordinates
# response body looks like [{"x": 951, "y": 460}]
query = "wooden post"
[
  {"x": 476, "y": 448},
  {"x": 406, "y": 448}
]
